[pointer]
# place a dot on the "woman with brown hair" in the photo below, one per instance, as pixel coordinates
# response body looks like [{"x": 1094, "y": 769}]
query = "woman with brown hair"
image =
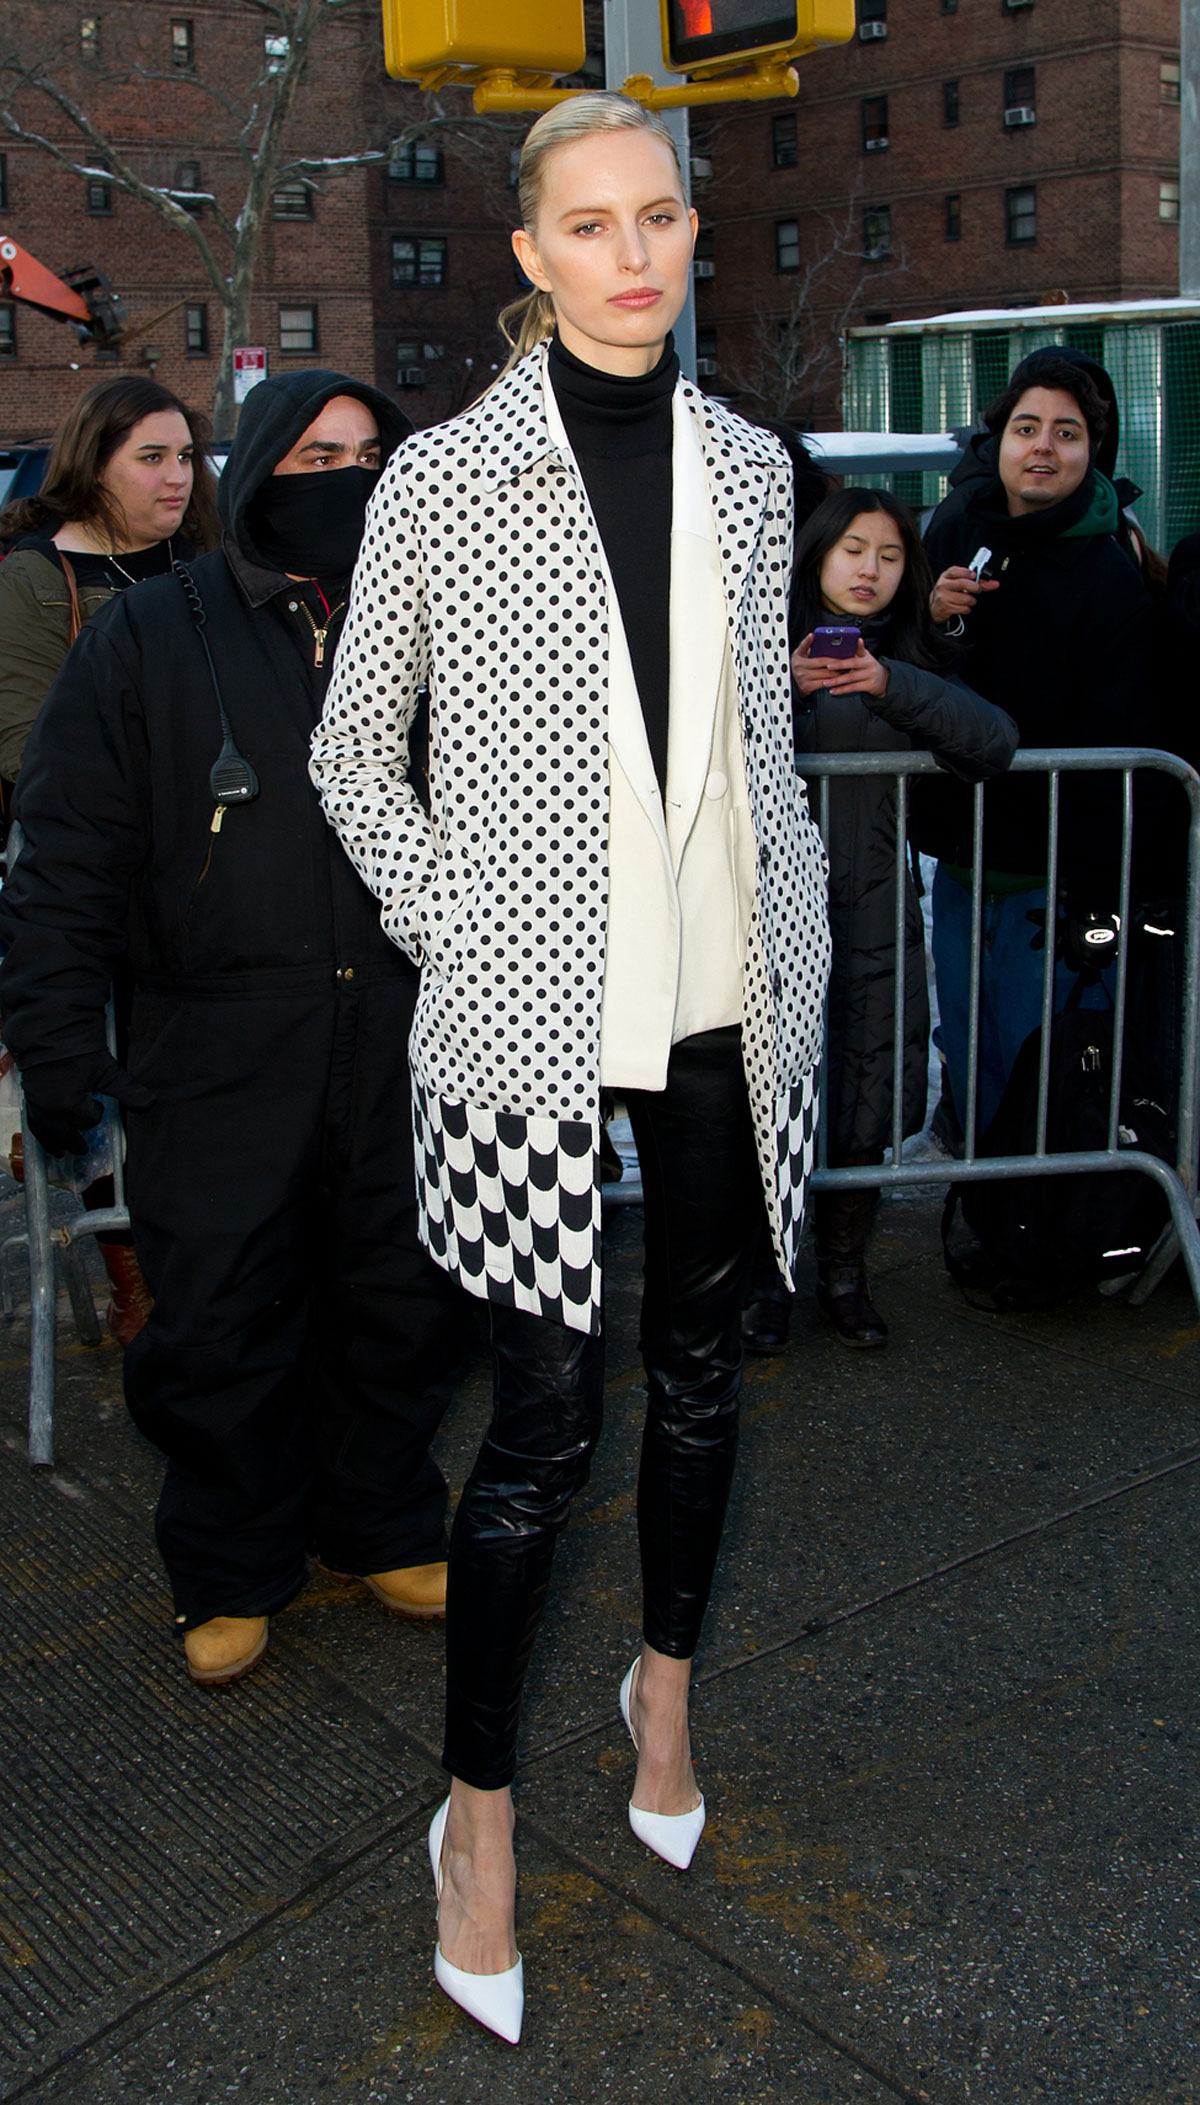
[{"x": 126, "y": 490}]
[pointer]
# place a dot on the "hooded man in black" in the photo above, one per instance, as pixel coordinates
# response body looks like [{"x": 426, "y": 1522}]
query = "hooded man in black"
[{"x": 293, "y": 1369}]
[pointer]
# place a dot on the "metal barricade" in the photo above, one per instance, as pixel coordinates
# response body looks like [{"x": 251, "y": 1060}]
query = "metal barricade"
[{"x": 1178, "y": 1181}]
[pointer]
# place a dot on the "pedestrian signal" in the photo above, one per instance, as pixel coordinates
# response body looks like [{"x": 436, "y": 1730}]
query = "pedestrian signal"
[
  {"x": 538, "y": 36},
  {"x": 700, "y": 34}
]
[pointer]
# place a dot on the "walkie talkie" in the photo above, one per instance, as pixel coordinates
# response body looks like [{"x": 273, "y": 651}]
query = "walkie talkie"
[{"x": 231, "y": 778}]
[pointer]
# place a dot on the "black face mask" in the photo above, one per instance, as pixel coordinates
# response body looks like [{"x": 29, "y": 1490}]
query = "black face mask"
[{"x": 311, "y": 525}]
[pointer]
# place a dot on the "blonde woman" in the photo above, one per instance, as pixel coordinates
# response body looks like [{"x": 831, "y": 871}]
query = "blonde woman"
[{"x": 618, "y": 885}]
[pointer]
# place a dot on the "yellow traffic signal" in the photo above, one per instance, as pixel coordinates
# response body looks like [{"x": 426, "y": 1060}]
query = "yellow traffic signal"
[
  {"x": 699, "y": 36},
  {"x": 534, "y": 36}
]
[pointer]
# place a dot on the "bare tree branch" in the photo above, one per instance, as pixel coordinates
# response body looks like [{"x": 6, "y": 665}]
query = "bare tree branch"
[
  {"x": 228, "y": 242},
  {"x": 796, "y": 350}
]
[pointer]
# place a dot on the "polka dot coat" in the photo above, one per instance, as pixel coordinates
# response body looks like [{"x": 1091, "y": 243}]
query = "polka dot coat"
[{"x": 481, "y": 573}]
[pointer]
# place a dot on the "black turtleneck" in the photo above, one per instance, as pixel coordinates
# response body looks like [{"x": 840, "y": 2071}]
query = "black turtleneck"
[{"x": 621, "y": 434}]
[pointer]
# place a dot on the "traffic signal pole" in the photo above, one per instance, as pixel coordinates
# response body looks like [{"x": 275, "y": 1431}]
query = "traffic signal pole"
[
  {"x": 632, "y": 46},
  {"x": 1189, "y": 149}
]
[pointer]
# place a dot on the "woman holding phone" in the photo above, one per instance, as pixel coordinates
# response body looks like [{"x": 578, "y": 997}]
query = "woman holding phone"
[
  {"x": 872, "y": 675},
  {"x": 618, "y": 885}
]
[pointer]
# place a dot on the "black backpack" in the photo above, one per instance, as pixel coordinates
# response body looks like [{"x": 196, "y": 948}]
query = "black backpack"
[{"x": 1042, "y": 1238}]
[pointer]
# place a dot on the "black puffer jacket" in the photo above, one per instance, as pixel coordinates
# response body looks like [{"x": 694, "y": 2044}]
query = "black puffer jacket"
[
  {"x": 123, "y": 858},
  {"x": 972, "y": 740},
  {"x": 1064, "y": 645}
]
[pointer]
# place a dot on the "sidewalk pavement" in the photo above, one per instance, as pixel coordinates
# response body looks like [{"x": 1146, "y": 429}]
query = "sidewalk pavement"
[{"x": 945, "y": 1721}]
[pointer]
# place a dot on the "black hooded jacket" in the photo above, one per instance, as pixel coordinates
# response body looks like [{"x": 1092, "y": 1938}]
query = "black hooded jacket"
[
  {"x": 1064, "y": 645},
  {"x": 128, "y": 859}
]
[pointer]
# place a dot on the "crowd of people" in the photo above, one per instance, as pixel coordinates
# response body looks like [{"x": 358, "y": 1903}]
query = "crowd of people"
[{"x": 488, "y": 742}]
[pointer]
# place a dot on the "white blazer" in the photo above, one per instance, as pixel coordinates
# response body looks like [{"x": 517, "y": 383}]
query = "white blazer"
[{"x": 482, "y": 573}]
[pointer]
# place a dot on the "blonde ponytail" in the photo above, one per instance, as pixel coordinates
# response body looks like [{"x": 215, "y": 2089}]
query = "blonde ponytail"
[{"x": 524, "y": 324}]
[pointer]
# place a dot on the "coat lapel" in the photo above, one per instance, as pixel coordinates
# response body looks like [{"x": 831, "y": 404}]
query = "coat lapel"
[
  {"x": 743, "y": 464},
  {"x": 699, "y": 630}
]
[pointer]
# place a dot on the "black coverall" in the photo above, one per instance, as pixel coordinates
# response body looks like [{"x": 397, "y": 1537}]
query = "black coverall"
[{"x": 294, "y": 1368}]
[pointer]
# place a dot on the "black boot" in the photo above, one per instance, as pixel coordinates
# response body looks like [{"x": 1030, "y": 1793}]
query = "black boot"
[
  {"x": 843, "y": 1228},
  {"x": 767, "y": 1309}
]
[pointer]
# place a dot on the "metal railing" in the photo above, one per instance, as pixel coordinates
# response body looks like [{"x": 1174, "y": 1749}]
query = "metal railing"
[{"x": 1177, "y": 1181}]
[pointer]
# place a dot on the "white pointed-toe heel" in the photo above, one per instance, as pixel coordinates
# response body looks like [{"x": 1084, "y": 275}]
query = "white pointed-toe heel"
[
  {"x": 496, "y": 2000},
  {"x": 672, "y": 1836}
]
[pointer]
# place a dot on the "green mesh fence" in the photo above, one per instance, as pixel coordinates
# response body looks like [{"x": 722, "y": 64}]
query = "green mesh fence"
[{"x": 941, "y": 379}]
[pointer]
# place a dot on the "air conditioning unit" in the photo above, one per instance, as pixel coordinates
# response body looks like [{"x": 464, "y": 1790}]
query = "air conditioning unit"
[
  {"x": 706, "y": 369},
  {"x": 701, "y": 167},
  {"x": 413, "y": 376},
  {"x": 876, "y": 145},
  {"x": 1020, "y": 113},
  {"x": 703, "y": 268},
  {"x": 868, "y": 31}
]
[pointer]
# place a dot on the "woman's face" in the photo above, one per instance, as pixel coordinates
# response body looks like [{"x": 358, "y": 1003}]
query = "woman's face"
[
  {"x": 149, "y": 478},
  {"x": 861, "y": 573},
  {"x": 613, "y": 247}
]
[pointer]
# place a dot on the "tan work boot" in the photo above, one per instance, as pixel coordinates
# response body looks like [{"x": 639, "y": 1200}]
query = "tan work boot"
[
  {"x": 416, "y": 1591},
  {"x": 132, "y": 1300},
  {"x": 225, "y": 1648}
]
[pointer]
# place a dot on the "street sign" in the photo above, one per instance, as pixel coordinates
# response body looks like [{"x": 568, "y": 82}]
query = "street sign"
[{"x": 249, "y": 367}]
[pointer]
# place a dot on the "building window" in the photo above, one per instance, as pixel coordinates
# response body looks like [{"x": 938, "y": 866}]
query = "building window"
[
  {"x": 1169, "y": 80},
  {"x": 183, "y": 46},
  {"x": 418, "y": 259},
  {"x": 188, "y": 183},
  {"x": 89, "y": 38},
  {"x": 410, "y": 365},
  {"x": 1020, "y": 88},
  {"x": 275, "y": 51},
  {"x": 787, "y": 244},
  {"x": 871, "y": 11},
  {"x": 954, "y": 216},
  {"x": 875, "y": 123},
  {"x": 877, "y": 232},
  {"x": 98, "y": 195},
  {"x": 419, "y": 162},
  {"x": 293, "y": 200},
  {"x": 949, "y": 7},
  {"x": 949, "y": 102},
  {"x": 1168, "y": 200},
  {"x": 1013, "y": 7},
  {"x": 706, "y": 354},
  {"x": 3, "y": 182},
  {"x": 1020, "y": 215},
  {"x": 785, "y": 152},
  {"x": 8, "y": 329},
  {"x": 297, "y": 328},
  {"x": 413, "y": 360},
  {"x": 195, "y": 323}
]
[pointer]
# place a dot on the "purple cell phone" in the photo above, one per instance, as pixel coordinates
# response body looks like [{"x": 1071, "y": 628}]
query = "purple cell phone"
[{"x": 835, "y": 643}]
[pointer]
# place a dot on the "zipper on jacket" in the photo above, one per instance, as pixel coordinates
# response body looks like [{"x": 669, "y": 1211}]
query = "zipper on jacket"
[{"x": 319, "y": 632}]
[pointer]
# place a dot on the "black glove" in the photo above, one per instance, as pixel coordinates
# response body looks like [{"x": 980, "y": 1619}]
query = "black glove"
[{"x": 60, "y": 1099}]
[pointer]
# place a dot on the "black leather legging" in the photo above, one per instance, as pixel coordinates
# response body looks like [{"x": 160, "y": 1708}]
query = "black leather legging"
[{"x": 702, "y": 1199}]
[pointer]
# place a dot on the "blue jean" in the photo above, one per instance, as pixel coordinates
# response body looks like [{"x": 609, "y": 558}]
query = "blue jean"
[{"x": 1010, "y": 987}]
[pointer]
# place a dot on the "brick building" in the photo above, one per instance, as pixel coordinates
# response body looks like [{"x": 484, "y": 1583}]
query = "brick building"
[
  {"x": 393, "y": 274},
  {"x": 957, "y": 154}
]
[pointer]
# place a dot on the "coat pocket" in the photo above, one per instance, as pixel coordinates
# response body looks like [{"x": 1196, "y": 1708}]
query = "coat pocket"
[{"x": 432, "y": 924}]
